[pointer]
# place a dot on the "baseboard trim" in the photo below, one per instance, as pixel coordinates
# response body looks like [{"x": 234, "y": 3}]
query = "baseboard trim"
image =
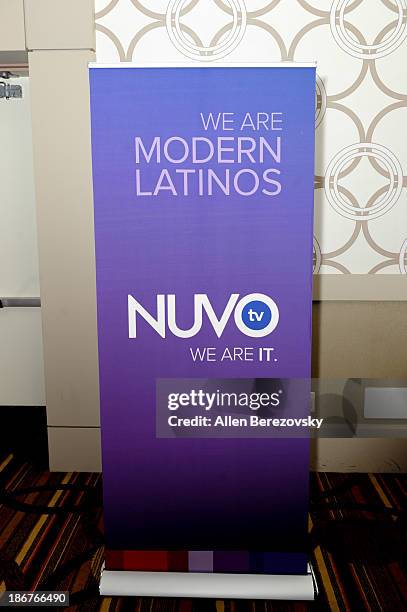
[{"x": 378, "y": 455}]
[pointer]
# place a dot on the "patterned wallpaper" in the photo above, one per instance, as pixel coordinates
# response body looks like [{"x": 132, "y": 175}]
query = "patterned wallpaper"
[{"x": 361, "y": 50}]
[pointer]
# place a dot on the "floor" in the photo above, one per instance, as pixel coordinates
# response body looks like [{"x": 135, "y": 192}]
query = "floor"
[{"x": 51, "y": 538}]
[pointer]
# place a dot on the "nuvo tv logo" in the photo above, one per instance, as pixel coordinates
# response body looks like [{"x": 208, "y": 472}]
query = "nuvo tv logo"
[{"x": 255, "y": 315}]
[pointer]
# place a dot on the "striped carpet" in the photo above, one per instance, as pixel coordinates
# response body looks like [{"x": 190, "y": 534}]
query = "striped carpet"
[{"x": 51, "y": 538}]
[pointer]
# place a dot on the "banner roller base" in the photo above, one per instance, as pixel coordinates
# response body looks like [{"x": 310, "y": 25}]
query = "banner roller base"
[{"x": 220, "y": 586}]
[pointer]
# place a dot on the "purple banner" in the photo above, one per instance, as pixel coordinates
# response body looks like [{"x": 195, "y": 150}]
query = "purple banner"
[{"x": 203, "y": 191}]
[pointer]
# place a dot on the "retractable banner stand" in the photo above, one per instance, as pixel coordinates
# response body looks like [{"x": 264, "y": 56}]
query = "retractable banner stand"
[{"x": 203, "y": 196}]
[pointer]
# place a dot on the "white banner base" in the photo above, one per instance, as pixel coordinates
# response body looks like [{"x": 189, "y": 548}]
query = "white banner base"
[{"x": 220, "y": 586}]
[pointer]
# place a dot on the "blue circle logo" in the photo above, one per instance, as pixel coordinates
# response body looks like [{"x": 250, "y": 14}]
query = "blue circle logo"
[{"x": 256, "y": 315}]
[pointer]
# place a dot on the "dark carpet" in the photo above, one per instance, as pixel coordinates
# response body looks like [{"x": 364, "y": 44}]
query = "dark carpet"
[{"x": 51, "y": 538}]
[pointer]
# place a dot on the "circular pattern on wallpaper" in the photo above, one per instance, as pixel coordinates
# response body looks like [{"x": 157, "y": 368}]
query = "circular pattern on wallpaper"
[
  {"x": 342, "y": 160},
  {"x": 212, "y": 52},
  {"x": 365, "y": 51},
  {"x": 403, "y": 258}
]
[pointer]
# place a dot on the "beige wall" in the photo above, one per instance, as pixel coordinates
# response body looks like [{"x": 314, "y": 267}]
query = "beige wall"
[
  {"x": 359, "y": 339},
  {"x": 351, "y": 338},
  {"x": 60, "y": 24},
  {"x": 12, "y": 31},
  {"x": 354, "y": 339},
  {"x": 60, "y": 40},
  {"x": 62, "y": 163}
]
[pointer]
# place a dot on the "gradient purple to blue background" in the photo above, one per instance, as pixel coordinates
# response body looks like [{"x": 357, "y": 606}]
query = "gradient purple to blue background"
[{"x": 200, "y": 494}]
